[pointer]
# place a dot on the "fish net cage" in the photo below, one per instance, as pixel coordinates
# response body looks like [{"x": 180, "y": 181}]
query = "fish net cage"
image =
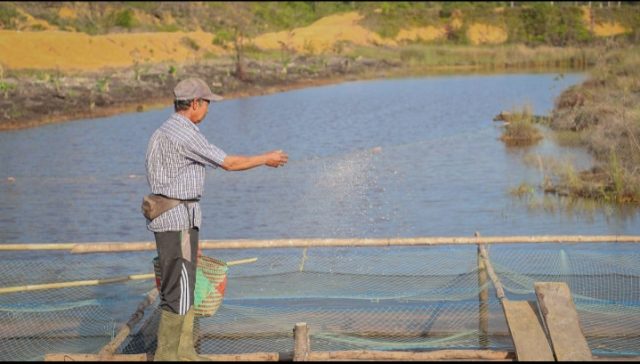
[{"x": 393, "y": 298}]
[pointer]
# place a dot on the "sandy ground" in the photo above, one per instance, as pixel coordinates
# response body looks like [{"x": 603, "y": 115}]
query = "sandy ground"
[{"x": 72, "y": 51}]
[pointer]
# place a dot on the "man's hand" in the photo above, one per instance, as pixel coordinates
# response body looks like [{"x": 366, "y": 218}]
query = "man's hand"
[
  {"x": 276, "y": 158},
  {"x": 273, "y": 159}
]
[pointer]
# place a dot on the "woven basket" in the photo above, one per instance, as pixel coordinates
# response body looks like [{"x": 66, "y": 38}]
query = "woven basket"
[{"x": 211, "y": 281}]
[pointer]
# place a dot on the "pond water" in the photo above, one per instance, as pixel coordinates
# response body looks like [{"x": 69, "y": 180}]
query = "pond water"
[{"x": 383, "y": 158}]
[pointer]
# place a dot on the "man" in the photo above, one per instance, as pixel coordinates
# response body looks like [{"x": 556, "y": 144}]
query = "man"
[{"x": 176, "y": 158}]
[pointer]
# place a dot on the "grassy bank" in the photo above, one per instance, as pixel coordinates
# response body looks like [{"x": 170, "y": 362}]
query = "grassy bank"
[{"x": 603, "y": 115}]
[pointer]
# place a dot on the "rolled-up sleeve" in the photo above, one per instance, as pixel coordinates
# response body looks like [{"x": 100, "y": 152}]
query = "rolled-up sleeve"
[{"x": 201, "y": 151}]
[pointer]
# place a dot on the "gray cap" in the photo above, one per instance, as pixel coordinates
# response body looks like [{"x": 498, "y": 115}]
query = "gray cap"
[{"x": 194, "y": 88}]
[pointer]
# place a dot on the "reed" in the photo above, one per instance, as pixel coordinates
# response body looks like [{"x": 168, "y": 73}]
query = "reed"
[
  {"x": 519, "y": 130},
  {"x": 490, "y": 57}
]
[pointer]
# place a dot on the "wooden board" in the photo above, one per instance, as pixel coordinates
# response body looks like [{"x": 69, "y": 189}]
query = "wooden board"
[
  {"x": 446, "y": 355},
  {"x": 145, "y": 357},
  {"x": 95, "y": 357},
  {"x": 561, "y": 318},
  {"x": 527, "y": 332},
  {"x": 244, "y": 357}
]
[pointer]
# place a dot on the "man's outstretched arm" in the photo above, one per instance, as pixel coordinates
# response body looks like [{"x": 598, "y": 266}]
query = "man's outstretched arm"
[{"x": 275, "y": 159}]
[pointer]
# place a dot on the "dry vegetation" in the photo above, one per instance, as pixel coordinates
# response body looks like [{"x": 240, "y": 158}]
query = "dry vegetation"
[
  {"x": 603, "y": 113},
  {"x": 519, "y": 129}
]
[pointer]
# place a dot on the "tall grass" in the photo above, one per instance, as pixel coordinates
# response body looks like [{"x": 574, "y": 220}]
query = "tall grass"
[
  {"x": 491, "y": 57},
  {"x": 605, "y": 111}
]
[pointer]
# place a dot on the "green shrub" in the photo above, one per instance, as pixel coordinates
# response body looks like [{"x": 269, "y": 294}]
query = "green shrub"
[
  {"x": 543, "y": 23},
  {"x": 173, "y": 71},
  {"x": 125, "y": 19},
  {"x": 9, "y": 16},
  {"x": 285, "y": 15},
  {"x": 102, "y": 84},
  {"x": 222, "y": 38},
  {"x": 6, "y": 87}
]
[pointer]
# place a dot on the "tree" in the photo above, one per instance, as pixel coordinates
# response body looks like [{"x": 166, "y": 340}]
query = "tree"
[
  {"x": 238, "y": 46},
  {"x": 241, "y": 19}
]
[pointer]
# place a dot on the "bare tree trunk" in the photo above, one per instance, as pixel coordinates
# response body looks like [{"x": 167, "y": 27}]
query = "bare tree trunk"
[{"x": 237, "y": 42}]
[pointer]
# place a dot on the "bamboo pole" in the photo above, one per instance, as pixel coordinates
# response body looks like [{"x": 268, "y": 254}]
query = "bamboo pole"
[
  {"x": 616, "y": 358},
  {"x": 95, "y": 282},
  {"x": 483, "y": 301},
  {"x": 35, "y": 287},
  {"x": 113, "y": 345},
  {"x": 304, "y": 243},
  {"x": 241, "y": 261},
  {"x": 364, "y": 333},
  {"x": 492, "y": 273},
  {"x": 148, "y": 357},
  {"x": 61, "y": 357},
  {"x": 327, "y": 355},
  {"x": 301, "y": 345},
  {"x": 406, "y": 355},
  {"x": 243, "y": 357},
  {"x": 49, "y": 246}
]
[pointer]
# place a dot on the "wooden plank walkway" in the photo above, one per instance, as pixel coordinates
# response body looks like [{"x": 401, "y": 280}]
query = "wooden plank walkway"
[
  {"x": 561, "y": 318},
  {"x": 528, "y": 335}
]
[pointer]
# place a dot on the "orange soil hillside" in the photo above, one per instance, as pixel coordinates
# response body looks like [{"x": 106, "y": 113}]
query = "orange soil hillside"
[
  {"x": 79, "y": 51},
  {"x": 53, "y": 49},
  {"x": 486, "y": 34},
  {"x": 323, "y": 34}
]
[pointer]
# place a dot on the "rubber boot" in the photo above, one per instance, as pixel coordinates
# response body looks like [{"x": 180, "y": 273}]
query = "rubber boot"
[
  {"x": 186, "y": 350},
  {"x": 168, "y": 337}
]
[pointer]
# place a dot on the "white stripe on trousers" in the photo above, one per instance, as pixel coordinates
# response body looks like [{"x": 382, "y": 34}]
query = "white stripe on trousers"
[{"x": 184, "y": 291}]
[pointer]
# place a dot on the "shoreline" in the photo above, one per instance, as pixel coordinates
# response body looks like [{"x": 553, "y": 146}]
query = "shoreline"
[
  {"x": 158, "y": 104},
  {"x": 78, "y": 98},
  {"x": 33, "y": 102}
]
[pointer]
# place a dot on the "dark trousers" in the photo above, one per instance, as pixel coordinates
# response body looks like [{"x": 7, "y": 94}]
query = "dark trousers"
[{"x": 177, "y": 254}]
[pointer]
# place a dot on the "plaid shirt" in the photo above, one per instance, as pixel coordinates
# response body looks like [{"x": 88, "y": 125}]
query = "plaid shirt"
[{"x": 176, "y": 158}]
